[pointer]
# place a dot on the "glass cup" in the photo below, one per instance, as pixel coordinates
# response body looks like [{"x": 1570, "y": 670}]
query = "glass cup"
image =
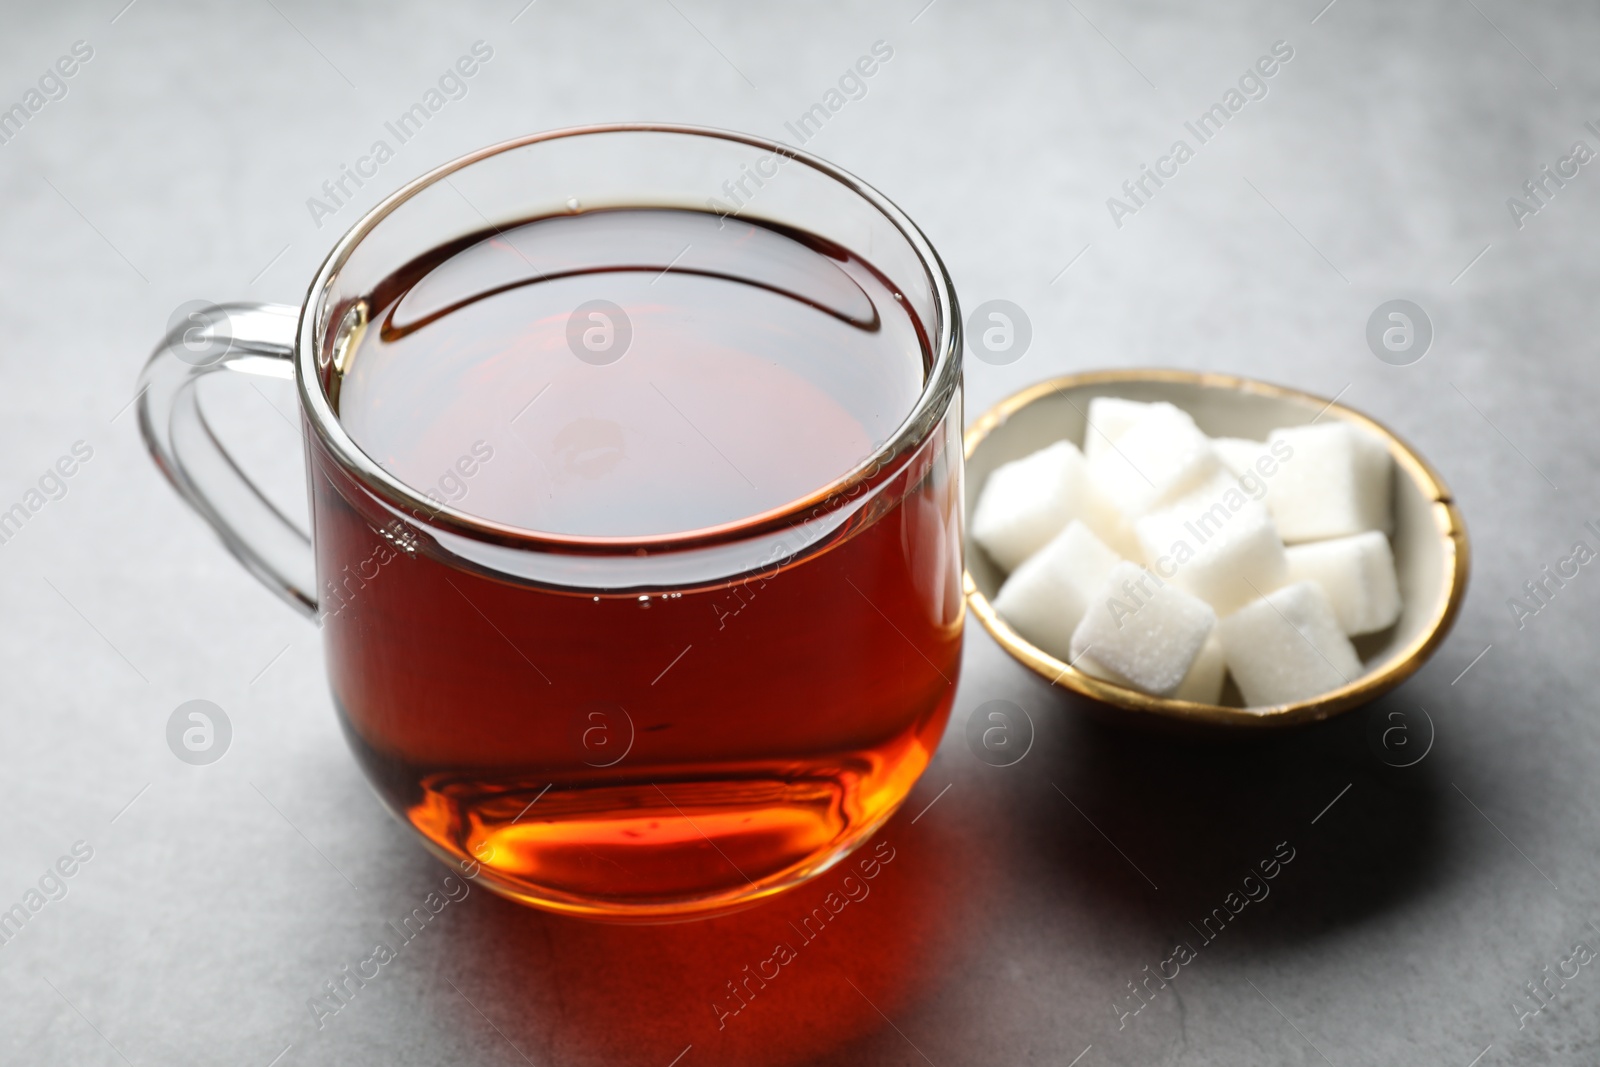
[{"x": 624, "y": 727}]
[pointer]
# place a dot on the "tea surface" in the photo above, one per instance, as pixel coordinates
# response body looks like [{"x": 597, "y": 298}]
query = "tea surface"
[{"x": 737, "y": 368}]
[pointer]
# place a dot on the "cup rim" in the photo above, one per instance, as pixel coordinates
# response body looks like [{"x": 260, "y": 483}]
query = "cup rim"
[{"x": 933, "y": 400}]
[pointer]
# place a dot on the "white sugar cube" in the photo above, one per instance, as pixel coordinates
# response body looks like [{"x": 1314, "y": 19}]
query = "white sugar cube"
[
  {"x": 1028, "y": 501},
  {"x": 1143, "y": 632},
  {"x": 1102, "y": 515},
  {"x": 1159, "y": 457},
  {"x": 1357, "y": 573},
  {"x": 1087, "y": 665},
  {"x": 1237, "y": 453},
  {"x": 1203, "y": 683},
  {"x": 1335, "y": 482},
  {"x": 1109, "y": 417},
  {"x": 1252, "y": 463},
  {"x": 1288, "y": 646},
  {"x": 1218, "y": 545},
  {"x": 1046, "y": 597},
  {"x": 1221, "y": 488}
]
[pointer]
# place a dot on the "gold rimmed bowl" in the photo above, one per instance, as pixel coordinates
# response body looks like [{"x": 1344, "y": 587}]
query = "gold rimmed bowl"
[{"x": 1429, "y": 539}]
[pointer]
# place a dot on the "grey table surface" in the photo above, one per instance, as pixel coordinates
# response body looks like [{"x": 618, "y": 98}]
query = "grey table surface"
[{"x": 1420, "y": 900}]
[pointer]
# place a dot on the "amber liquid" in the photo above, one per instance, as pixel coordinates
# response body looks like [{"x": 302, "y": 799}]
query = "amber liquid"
[{"x": 626, "y": 750}]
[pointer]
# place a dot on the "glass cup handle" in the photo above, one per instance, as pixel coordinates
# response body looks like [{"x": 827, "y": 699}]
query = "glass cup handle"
[{"x": 247, "y": 338}]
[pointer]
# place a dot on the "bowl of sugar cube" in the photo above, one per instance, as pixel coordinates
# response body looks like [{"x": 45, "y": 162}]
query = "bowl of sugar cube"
[{"x": 1207, "y": 548}]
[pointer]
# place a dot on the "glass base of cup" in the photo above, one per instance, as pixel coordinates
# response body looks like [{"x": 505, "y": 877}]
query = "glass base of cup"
[{"x": 662, "y": 846}]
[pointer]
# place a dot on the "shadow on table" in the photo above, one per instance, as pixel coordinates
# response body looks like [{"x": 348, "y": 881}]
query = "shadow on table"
[
  {"x": 576, "y": 992},
  {"x": 1171, "y": 826},
  {"x": 1102, "y": 836}
]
